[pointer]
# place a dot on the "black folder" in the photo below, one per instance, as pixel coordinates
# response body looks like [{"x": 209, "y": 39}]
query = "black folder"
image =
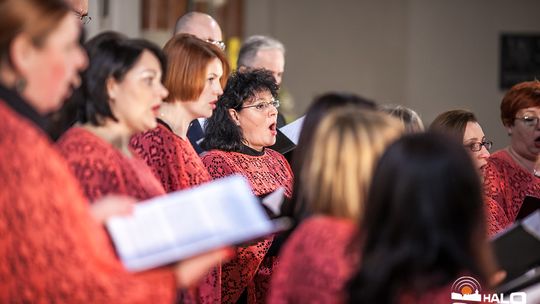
[
  {"x": 283, "y": 144},
  {"x": 518, "y": 248},
  {"x": 530, "y": 205}
]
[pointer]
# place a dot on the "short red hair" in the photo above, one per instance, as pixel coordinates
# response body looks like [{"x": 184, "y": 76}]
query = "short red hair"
[
  {"x": 187, "y": 59},
  {"x": 520, "y": 96}
]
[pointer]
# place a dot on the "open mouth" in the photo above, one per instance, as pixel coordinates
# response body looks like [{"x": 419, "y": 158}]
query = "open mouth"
[
  {"x": 537, "y": 142},
  {"x": 155, "y": 109},
  {"x": 273, "y": 128}
]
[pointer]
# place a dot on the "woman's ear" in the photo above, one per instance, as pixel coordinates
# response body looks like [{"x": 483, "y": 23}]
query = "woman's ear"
[
  {"x": 508, "y": 129},
  {"x": 234, "y": 116},
  {"x": 22, "y": 54},
  {"x": 112, "y": 88}
]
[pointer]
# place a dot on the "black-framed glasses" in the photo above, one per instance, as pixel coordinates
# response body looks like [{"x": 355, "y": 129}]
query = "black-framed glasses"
[
  {"x": 263, "y": 106},
  {"x": 85, "y": 19},
  {"x": 477, "y": 146},
  {"x": 220, "y": 44},
  {"x": 529, "y": 121}
]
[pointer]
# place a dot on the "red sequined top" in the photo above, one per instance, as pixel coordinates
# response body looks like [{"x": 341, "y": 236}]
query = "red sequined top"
[
  {"x": 506, "y": 184},
  {"x": 102, "y": 169},
  {"x": 172, "y": 159},
  {"x": 54, "y": 251},
  {"x": 316, "y": 262},
  {"x": 252, "y": 268}
]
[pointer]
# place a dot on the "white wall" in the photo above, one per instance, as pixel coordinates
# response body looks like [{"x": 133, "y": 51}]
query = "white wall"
[
  {"x": 454, "y": 55},
  {"x": 124, "y": 17},
  {"x": 431, "y": 55}
]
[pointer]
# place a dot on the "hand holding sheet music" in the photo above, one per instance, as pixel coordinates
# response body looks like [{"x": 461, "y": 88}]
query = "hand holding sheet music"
[{"x": 182, "y": 224}]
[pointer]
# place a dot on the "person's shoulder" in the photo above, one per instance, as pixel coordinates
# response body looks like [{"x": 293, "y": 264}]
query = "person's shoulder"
[
  {"x": 215, "y": 154},
  {"x": 79, "y": 144},
  {"x": 499, "y": 161},
  {"x": 322, "y": 223},
  {"x": 157, "y": 136}
]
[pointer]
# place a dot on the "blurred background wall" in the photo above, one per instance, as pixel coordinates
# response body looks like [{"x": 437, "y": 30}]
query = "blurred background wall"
[{"x": 430, "y": 55}]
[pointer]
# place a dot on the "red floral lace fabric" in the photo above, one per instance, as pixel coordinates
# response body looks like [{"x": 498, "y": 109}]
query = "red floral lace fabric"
[
  {"x": 51, "y": 249},
  {"x": 251, "y": 269},
  {"x": 101, "y": 169},
  {"x": 316, "y": 262},
  {"x": 506, "y": 184},
  {"x": 176, "y": 164},
  {"x": 172, "y": 159}
]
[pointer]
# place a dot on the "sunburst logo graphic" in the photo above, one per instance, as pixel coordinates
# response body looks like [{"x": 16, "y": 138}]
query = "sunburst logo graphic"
[{"x": 466, "y": 288}]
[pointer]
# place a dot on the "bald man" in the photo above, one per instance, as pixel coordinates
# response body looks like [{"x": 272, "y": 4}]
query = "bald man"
[
  {"x": 263, "y": 52},
  {"x": 202, "y": 26}
]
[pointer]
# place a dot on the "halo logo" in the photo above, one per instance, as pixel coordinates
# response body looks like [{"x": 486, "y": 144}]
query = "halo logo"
[{"x": 468, "y": 290}]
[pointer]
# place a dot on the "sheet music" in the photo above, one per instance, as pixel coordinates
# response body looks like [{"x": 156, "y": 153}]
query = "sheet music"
[
  {"x": 532, "y": 224},
  {"x": 274, "y": 200},
  {"x": 169, "y": 228},
  {"x": 292, "y": 130}
]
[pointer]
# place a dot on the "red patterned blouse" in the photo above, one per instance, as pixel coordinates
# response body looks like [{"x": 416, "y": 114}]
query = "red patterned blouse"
[
  {"x": 252, "y": 268},
  {"x": 102, "y": 169},
  {"x": 506, "y": 184},
  {"x": 307, "y": 274},
  {"x": 172, "y": 159},
  {"x": 54, "y": 250}
]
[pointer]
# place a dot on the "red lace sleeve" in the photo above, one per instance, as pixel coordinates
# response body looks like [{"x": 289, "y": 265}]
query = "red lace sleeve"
[
  {"x": 307, "y": 274},
  {"x": 506, "y": 184},
  {"x": 252, "y": 268},
  {"x": 173, "y": 160},
  {"x": 54, "y": 251},
  {"x": 92, "y": 164},
  {"x": 495, "y": 187},
  {"x": 217, "y": 164}
]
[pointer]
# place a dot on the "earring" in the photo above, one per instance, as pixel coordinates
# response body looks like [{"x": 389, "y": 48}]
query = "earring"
[{"x": 20, "y": 85}]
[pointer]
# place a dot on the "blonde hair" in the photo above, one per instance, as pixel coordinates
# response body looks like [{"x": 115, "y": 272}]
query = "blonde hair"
[
  {"x": 341, "y": 158},
  {"x": 408, "y": 117}
]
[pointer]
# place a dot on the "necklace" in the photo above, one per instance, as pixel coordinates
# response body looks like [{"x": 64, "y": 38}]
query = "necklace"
[{"x": 516, "y": 157}]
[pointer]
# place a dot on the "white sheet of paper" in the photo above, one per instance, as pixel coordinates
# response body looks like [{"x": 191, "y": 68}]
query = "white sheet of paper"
[
  {"x": 274, "y": 200},
  {"x": 292, "y": 130},
  {"x": 172, "y": 227}
]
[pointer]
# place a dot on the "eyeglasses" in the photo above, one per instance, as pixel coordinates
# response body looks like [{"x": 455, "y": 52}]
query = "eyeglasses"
[
  {"x": 85, "y": 19},
  {"x": 477, "y": 146},
  {"x": 529, "y": 121},
  {"x": 220, "y": 44},
  {"x": 263, "y": 106}
]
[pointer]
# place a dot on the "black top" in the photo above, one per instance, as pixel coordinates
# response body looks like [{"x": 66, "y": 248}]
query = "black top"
[
  {"x": 19, "y": 105},
  {"x": 249, "y": 151}
]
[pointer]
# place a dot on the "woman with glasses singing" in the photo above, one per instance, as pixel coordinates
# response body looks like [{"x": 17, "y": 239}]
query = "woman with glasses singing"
[
  {"x": 514, "y": 172},
  {"x": 237, "y": 136}
]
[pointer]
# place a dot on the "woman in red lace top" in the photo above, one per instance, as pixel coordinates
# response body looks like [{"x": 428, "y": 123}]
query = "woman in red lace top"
[
  {"x": 333, "y": 182},
  {"x": 514, "y": 172},
  {"x": 120, "y": 94},
  {"x": 52, "y": 249},
  {"x": 237, "y": 136},
  {"x": 197, "y": 71},
  {"x": 421, "y": 229},
  {"x": 463, "y": 126}
]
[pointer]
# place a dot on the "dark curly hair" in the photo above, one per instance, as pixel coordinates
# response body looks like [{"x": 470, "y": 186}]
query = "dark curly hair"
[{"x": 221, "y": 132}]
